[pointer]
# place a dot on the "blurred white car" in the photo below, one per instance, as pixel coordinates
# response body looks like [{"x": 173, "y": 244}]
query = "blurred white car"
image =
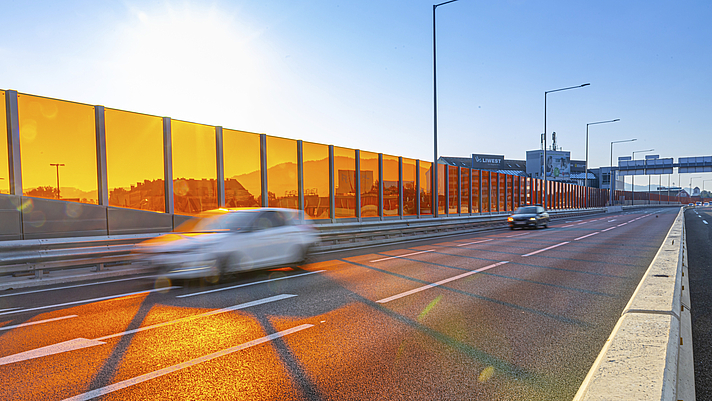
[{"x": 218, "y": 242}]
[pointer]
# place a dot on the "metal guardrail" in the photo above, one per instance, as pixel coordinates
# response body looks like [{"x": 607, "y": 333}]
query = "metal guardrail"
[{"x": 41, "y": 256}]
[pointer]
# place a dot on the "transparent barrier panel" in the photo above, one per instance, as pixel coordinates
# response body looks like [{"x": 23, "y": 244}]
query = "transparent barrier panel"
[
  {"x": 316, "y": 180},
  {"x": 425, "y": 189},
  {"x": 502, "y": 192},
  {"x": 58, "y": 149},
  {"x": 134, "y": 160},
  {"x": 409, "y": 190},
  {"x": 442, "y": 201},
  {"x": 194, "y": 167},
  {"x": 391, "y": 182},
  {"x": 345, "y": 182},
  {"x": 465, "y": 190},
  {"x": 4, "y": 156},
  {"x": 476, "y": 191},
  {"x": 282, "y": 180},
  {"x": 485, "y": 191},
  {"x": 453, "y": 189},
  {"x": 241, "y": 163},
  {"x": 510, "y": 191},
  {"x": 369, "y": 184}
]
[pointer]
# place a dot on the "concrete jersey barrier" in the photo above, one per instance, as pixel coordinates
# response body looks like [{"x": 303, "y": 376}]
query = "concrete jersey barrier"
[{"x": 648, "y": 356}]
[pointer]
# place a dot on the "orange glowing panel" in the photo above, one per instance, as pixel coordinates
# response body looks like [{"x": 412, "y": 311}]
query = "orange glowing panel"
[
  {"x": 502, "y": 193},
  {"x": 241, "y": 161},
  {"x": 316, "y": 180},
  {"x": 391, "y": 186},
  {"x": 485, "y": 191},
  {"x": 4, "y": 158},
  {"x": 510, "y": 188},
  {"x": 194, "y": 167},
  {"x": 475, "y": 191},
  {"x": 282, "y": 180},
  {"x": 425, "y": 189},
  {"x": 369, "y": 184},
  {"x": 453, "y": 190},
  {"x": 345, "y": 182},
  {"x": 134, "y": 160},
  {"x": 465, "y": 190},
  {"x": 58, "y": 149},
  {"x": 409, "y": 190}
]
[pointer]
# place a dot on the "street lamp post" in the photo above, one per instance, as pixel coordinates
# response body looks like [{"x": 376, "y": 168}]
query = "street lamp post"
[
  {"x": 58, "y": 165},
  {"x": 585, "y": 171},
  {"x": 632, "y": 177},
  {"x": 546, "y": 192},
  {"x": 610, "y": 173},
  {"x": 435, "y": 117},
  {"x": 691, "y": 184}
]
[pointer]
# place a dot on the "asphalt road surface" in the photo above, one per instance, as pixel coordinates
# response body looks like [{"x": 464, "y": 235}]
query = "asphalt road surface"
[
  {"x": 496, "y": 315},
  {"x": 699, "y": 252}
]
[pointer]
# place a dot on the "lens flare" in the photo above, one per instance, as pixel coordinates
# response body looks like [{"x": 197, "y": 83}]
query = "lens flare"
[
  {"x": 486, "y": 374},
  {"x": 162, "y": 282},
  {"x": 73, "y": 209},
  {"x": 430, "y": 306}
]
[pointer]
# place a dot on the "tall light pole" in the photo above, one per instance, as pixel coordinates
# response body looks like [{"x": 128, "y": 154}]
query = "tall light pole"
[
  {"x": 58, "y": 165},
  {"x": 691, "y": 184},
  {"x": 585, "y": 171},
  {"x": 435, "y": 116},
  {"x": 544, "y": 166},
  {"x": 632, "y": 177},
  {"x": 610, "y": 173}
]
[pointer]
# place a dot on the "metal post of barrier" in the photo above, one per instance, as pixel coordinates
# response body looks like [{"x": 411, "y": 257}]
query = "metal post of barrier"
[
  {"x": 332, "y": 186},
  {"x": 300, "y": 178},
  {"x": 263, "y": 170},
  {"x": 417, "y": 188},
  {"x": 219, "y": 154},
  {"x": 400, "y": 186},
  {"x": 168, "y": 165}
]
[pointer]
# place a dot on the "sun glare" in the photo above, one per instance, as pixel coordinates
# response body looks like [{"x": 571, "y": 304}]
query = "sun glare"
[{"x": 179, "y": 58}]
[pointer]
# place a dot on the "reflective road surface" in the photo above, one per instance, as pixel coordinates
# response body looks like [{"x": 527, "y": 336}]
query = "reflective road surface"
[{"x": 495, "y": 315}]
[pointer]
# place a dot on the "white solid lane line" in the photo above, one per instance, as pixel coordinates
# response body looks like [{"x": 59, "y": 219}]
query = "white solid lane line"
[
  {"x": 36, "y": 322},
  {"x": 586, "y": 236},
  {"x": 476, "y": 242},
  {"x": 546, "y": 249},
  {"x": 84, "y": 301},
  {"x": 441, "y": 282},
  {"x": 400, "y": 256},
  {"x": 248, "y": 284},
  {"x": 79, "y": 343},
  {"x": 162, "y": 372},
  {"x": 73, "y": 286},
  {"x": 71, "y": 345},
  {"x": 516, "y": 235},
  {"x": 201, "y": 315}
]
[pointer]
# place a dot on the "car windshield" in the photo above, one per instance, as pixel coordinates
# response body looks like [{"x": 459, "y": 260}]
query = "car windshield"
[
  {"x": 217, "y": 222},
  {"x": 526, "y": 210}
]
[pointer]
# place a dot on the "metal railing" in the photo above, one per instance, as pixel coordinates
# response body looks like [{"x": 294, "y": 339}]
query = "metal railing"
[{"x": 38, "y": 257}]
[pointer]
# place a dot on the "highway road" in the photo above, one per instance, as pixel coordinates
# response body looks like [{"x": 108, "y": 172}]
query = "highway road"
[
  {"x": 494, "y": 315},
  {"x": 698, "y": 226}
]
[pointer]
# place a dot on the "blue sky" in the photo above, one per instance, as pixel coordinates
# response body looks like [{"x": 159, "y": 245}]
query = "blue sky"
[{"x": 359, "y": 73}]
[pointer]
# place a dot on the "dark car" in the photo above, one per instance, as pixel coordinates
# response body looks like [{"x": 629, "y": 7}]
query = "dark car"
[{"x": 529, "y": 216}]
